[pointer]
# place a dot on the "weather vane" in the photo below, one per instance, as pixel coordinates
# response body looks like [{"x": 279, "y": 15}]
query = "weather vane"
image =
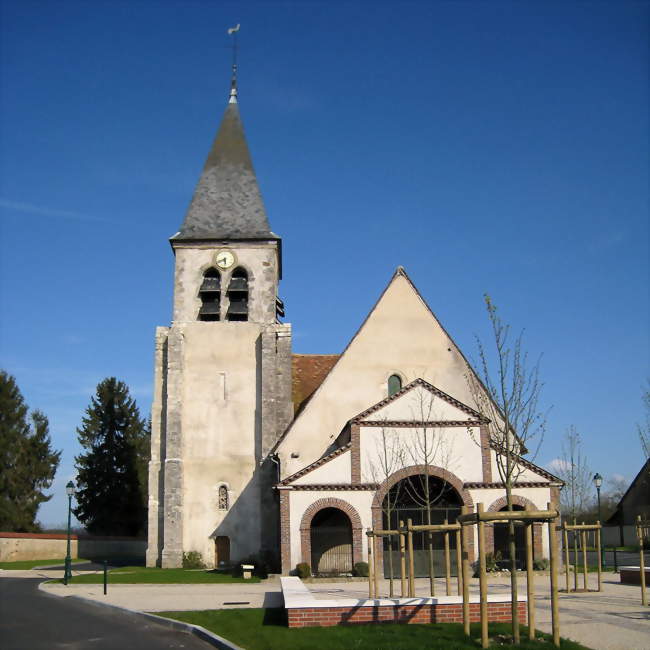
[{"x": 232, "y": 31}]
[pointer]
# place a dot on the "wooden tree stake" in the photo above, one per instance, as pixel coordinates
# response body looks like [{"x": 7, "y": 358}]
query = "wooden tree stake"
[
  {"x": 459, "y": 560},
  {"x": 447, "y": 561},
  {"x": 482, "y": 579},
  {"x": 465, "y": 570},
  {"x": 402, "y": 559},
  {"x": 555, "y": 612},
  {"x": 371, "y": 581},
  {"x": 530, "y": 581},
  {"x": 409, "y": 541}
]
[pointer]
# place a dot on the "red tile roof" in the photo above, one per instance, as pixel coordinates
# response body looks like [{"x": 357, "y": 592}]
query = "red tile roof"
[{"x": 308, "y": 372}]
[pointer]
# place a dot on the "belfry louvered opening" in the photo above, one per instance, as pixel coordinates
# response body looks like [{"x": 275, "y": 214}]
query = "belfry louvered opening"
[
  {"x": 238, "y": 296},
  {"x": 210, "y": 294}
]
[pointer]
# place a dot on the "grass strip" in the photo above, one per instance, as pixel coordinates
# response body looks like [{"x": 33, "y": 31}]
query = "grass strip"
[
  {"x": 266, "y": 629},
  {"x": 133, "y": 575},
  {"x": 30, "y": 564}
]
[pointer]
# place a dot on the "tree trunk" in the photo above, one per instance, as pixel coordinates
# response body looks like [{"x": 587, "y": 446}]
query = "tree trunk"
[{"x": 432, "y": 578}]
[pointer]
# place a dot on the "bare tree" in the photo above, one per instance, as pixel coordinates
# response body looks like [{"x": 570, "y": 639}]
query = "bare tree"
[
  {"x": 423, "y": 445},
  {"x": 644, "y": 429},
  {"x": 428, "y": 448},
  {"x": 574, "y": 471},
  {"x": 506, "y": 390},
  {"x": 389, "y": 458}
]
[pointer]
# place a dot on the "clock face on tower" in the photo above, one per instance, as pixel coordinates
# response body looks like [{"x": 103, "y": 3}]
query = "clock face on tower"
[{"x": 225, "y": 259}]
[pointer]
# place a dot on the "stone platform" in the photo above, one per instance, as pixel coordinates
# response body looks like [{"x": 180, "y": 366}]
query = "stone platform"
[
  {"x": 306, "y": 610},
  {"x": 631, "y": 575}
]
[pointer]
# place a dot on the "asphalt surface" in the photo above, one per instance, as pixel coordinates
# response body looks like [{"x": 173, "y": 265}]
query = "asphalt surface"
[{"x": 33, "y": 620}]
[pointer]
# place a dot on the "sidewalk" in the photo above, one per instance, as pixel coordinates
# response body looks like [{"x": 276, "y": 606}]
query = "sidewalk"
[{"x": 611, "y": 620}]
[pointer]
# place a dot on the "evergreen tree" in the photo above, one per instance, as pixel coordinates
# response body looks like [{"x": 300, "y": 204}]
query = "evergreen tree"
[
  {"x": 28, "y": 463},
  {"x": 111, "y": 474}
]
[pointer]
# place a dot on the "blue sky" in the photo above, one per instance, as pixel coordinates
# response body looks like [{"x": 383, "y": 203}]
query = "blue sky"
[{"x": 496, "y": 147}]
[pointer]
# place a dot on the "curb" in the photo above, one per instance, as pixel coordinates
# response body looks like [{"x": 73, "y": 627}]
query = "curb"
[{"x": 196, "y": 630}]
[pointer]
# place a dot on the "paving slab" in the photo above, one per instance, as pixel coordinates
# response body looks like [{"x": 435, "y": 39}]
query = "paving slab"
[{"x": 161, "y": 598}]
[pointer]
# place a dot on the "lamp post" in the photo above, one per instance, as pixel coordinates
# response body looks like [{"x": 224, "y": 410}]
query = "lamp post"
[
  {"x": 598, "y": 481},
  {"x": 67, "y": 571}
]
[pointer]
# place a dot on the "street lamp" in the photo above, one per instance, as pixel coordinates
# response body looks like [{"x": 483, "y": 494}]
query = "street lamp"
[
  {"x": 67, "y": 571},
  {"x": 598, "y": 481}
]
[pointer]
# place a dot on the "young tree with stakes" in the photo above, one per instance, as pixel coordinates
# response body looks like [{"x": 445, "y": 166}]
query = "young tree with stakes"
[
  {"x": 27, "y": 459},
  {"x": 508, "y": 396},
  {"x": 427, "y": 448},
  {"x": 111, "y": 480},
  {"x": 389, "y": 458}
]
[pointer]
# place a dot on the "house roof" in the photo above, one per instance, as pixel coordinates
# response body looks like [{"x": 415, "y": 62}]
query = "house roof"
[
  {"x": 307, "y": 373},
  {"x": 643, "y": 472},
  {"x": 227, "y": 203}
]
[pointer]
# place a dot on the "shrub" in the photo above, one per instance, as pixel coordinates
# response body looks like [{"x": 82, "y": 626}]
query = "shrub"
[
  {"x": 541, "y": 565},
  {"x": 193, "y": 560},
  {"x": 491, "y": 563},
  {"x": 303, "y": 570},
  {"x": 361, "y": 569}
]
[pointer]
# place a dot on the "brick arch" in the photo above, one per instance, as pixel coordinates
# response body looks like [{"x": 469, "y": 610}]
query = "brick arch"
[
  {"x": 502, "y": 502},
  {"x": 517, "y": 500},
  {"x": 413, "y": 470},
  {"x": 343, "y": 506}
]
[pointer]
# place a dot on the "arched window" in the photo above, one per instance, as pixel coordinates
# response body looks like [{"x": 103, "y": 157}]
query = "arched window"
[
  {"x": 223, "y": 498},
  {"x": 394, "y": 384},
  {"x": 210, "y": 294},
  {"x": 238, "y": 295}
]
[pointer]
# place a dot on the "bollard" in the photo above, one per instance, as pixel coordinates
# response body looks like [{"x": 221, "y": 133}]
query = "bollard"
[{"x": 105, "y": 576}]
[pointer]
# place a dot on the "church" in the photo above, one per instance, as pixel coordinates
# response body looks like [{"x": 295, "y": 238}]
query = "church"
[{"x": 257, "y": 451}]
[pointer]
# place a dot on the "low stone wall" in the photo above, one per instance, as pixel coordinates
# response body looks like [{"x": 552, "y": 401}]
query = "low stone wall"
[
  {"x": 36, "y": 546},
  {"x": 631, "y": 575},
  {"x": 303, "y": 610}
]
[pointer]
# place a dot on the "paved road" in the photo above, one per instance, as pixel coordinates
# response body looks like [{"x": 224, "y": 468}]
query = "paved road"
[{"x": 33, "y": 620}]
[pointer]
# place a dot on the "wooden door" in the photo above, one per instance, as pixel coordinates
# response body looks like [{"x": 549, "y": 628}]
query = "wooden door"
[{"x": 221, "y": 551}]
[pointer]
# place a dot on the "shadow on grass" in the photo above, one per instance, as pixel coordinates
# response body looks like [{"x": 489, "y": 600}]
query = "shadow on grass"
[{"x": 275, "y": 616}]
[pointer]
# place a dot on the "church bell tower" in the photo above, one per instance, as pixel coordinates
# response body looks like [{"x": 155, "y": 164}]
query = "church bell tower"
[{"x": 222, "y": 390}]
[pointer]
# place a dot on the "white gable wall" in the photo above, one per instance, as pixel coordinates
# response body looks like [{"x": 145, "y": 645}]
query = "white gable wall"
[
  {"x": 335, "y": 471},
  {"x": 400, "y": 335},
  {"x": 419, "y": 404},
  {"x": 455, "y": 451}
]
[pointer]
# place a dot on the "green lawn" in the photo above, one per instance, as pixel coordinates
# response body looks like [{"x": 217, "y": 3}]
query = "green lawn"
[
  {"x": 30, "y": 564},
  {"x": 592, "y": 569},
  {"x": 265, "y": 629},
  {"x": 152, "y": 575}
]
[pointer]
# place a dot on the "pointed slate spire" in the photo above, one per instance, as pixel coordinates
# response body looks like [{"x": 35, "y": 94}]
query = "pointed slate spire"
[{"x": 227, "y": 203}]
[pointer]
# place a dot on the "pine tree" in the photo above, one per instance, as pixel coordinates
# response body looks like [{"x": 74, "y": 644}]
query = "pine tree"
[
  {"x": 111, "y": 479},
  {"x": 28, "y": 463}
]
